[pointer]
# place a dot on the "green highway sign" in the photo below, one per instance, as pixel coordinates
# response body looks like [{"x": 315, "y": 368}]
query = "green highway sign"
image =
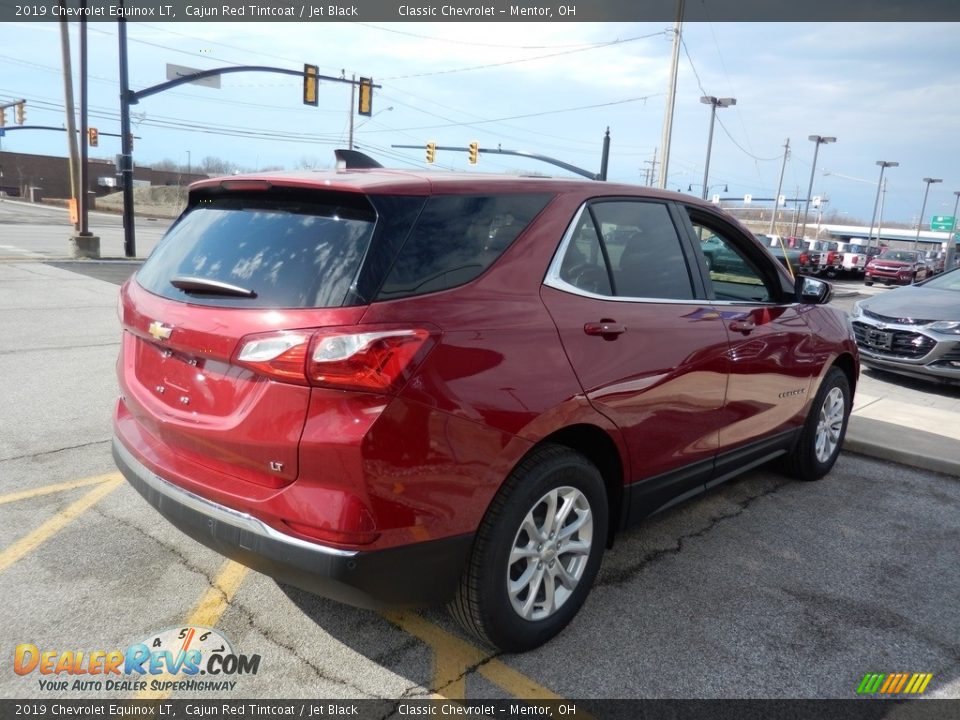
[{"x": 943, "y": 223}]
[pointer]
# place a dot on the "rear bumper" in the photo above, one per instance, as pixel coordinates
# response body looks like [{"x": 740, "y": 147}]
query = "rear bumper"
[{"x": 420, "y": 574}]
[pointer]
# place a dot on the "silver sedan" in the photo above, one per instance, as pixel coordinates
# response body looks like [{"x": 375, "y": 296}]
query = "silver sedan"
[{"x": 913, "y": 330}]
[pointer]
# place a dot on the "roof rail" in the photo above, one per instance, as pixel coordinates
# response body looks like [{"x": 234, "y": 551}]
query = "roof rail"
[{"x": 354, "y": 159}]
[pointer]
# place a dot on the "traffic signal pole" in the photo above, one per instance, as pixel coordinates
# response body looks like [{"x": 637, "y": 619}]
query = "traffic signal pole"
[
  {"x": 126, "y": 142},
  {"x": 602, "y": 175},
  {"x": 129, "y": 97}
]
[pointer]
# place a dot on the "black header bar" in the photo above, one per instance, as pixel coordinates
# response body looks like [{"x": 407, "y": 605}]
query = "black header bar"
[{"x": 486, "y": 11}]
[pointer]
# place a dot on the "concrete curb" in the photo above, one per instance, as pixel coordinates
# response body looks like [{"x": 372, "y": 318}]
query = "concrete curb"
[{"x": 903, "y": 445}]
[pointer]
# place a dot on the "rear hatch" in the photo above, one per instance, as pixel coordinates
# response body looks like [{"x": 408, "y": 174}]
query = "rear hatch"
[{"x": 218, "y": 323}]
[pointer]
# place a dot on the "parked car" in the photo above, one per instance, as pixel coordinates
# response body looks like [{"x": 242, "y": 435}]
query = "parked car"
[
  {"x": 936, "y": 262},
  {"x": 396, "y": 388},
  {"x": 913, "y": 330},
  {"x": 901, "y": 267}
]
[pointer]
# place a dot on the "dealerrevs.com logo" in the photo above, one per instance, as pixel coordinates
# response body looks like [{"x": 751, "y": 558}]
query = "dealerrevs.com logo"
[
  {"x": 894, "y": 683},
  {"x": 186, "y": 659}
]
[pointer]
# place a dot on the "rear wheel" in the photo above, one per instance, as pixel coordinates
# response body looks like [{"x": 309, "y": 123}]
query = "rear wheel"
[
  {"x": 823, "y": 432},
  {"x": 536, "y": 553},
  {"x": 868, "y": 283}
]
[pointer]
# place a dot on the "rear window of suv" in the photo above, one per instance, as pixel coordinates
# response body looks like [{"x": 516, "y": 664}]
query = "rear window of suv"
[
  {"x": 456, "y": 238},
  {"x": 289, "y": 252}
]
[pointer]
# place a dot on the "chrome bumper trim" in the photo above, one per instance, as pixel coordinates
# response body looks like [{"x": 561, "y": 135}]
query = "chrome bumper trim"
[{"x": 218, "y": 512}]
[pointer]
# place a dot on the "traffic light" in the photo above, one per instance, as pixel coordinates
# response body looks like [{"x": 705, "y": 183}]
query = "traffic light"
[
  {"x": 93, "y": 137},
  {"x": 474, "y": 152},
  {"x": 21, "y": 113},
  {"x": 310, "y": 85},
  {"x": 365, "y": 103},
  {"x": 431, "y": 152}
]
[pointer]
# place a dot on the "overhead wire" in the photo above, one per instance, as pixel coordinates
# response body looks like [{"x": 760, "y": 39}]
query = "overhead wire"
[{"x": 504, "y": 63}]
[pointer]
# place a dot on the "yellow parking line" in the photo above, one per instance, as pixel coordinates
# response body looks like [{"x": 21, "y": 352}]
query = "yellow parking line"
[
  {"x": 454, "y": 656},
  {"x": 214, "y": 602},
  {"x": 207, "y": 612},
  {"x": 55, "y": 524},
  {"x": 59, "y": 487}
]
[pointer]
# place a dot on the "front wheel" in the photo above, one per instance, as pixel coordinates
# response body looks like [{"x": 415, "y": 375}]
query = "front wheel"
[
  {"x": 536, "y": 553},
  {"x": 823, "y": 432}
]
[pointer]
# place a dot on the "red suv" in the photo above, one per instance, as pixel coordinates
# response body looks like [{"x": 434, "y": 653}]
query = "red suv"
[
  {"x": 397, "y": 388},
  {"x": 903, "y": 267}
]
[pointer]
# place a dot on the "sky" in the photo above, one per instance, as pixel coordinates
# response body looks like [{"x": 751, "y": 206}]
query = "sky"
[{"x": 886, "y": 91}]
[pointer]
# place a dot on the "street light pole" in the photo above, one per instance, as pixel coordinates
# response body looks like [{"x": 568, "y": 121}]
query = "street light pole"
[
  {"x": 923, "y": 207},
  {"x": 714, "y": 103},
  {"x": 884, "y": 164},
  {"x": 951, "y": 241},
  {"x": 818, "y": 140}
]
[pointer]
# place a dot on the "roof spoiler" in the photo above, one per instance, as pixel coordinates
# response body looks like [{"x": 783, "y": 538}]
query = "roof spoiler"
[{"x": 354, "y": 160}]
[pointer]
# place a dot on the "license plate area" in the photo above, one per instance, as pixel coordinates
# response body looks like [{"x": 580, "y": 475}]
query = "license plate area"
[{"x": 879, "y": 339}]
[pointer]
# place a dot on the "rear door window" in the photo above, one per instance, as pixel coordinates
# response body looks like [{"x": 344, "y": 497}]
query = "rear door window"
[
  {"x": 456, "y": 238},
  {"x": 627, "y": 249},
  {"x": 288, "y": 252}
]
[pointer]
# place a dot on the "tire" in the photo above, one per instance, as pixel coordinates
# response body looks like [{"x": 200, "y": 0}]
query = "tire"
[
  {"x": 831, "y": 273},
  {"x": 868, "y": 283},
  {"x": 822, "y": 436},
  {"x": 525, "y": 619}
]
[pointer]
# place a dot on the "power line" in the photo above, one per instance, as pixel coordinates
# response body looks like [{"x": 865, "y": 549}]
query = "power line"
[
  {"x": 477, "y": 44},
  {"x": 523, "y": 60},
  {"x": 643, "y": 98}
]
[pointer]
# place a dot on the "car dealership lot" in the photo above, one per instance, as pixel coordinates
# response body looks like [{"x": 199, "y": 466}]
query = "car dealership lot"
[{"x": 761, "y": 588}]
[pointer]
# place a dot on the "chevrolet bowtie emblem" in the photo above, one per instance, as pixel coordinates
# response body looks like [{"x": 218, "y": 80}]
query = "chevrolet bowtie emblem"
[{"x": 159, "y": 330}]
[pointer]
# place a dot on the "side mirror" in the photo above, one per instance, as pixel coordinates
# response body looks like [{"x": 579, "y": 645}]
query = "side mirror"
[{"x": 811, "y": 291}]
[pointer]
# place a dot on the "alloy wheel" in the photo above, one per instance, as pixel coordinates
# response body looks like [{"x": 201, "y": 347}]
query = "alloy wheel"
[
  {"x": 830, "y": 424},
  {"x": 549, "y": 553}
]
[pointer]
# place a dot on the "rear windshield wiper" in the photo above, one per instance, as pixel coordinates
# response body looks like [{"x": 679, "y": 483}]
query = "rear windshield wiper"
[{"x": 205, "y": 286}]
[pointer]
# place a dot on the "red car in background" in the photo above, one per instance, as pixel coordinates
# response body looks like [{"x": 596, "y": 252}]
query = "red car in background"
[
  {"x": 397, "y": 388},
  {"x": 897, "y": 267}
]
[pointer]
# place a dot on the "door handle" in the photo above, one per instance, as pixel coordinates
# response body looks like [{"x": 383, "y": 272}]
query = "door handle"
[
  {"x": 744, "y": 326},
  {"x": 607, "y": 329}
]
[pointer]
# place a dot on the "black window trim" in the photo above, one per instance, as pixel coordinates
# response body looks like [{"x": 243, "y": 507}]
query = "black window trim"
[{"x": 677, "y": 216}]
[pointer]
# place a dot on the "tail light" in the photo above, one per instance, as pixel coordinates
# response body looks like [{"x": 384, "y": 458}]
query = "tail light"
[{"x": 378, "y": 358}]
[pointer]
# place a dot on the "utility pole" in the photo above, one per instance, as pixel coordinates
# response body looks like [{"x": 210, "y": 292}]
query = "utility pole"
[
  {"x": 651, "y": 172},
  {"x": 776, "y": 197},
  {"x": 884, "y": 164},
  {"x": 353, "y": 90},
  {"x": 74, "y": 160},
  {"x": 671, "y": 97}
]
